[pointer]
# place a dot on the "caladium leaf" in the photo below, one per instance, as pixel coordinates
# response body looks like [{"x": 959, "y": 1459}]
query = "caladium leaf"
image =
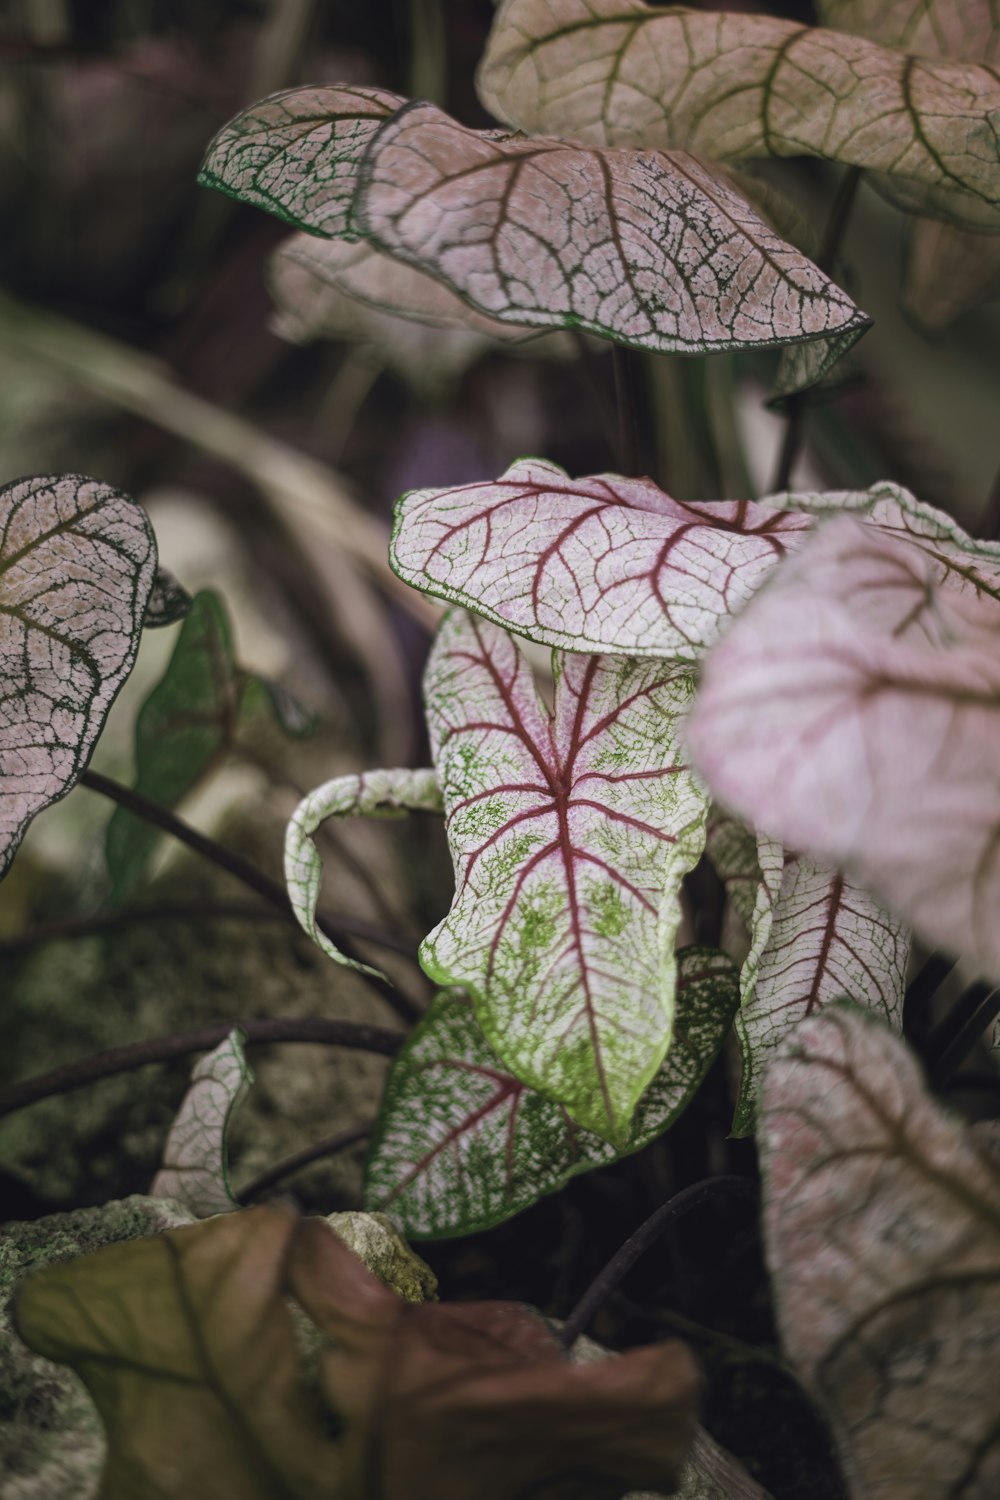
[
  {"x": 882, "y": 1224},
  {"x": 168, "y": 601},
  {"x": 853, "y": 711},
  {"x": 375, "y": 794},
  {"x": 930, "y": 28},
  {"x": 189, "y": 1348},
  {"x": 622, "y": 73},
  {"x": 649, "y": 249},
  {"x": 195, "y": 1170},
  {"x": 77, "y": 561},
  {"x": 461, "y": 1144},
  {"x": 570, "y": 832},
  {"x": 947, "y": 271},
  {"x": 296, "y": 153}
]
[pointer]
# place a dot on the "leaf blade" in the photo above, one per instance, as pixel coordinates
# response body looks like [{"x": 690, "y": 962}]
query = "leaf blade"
[{"x": 195, "y": 1167}]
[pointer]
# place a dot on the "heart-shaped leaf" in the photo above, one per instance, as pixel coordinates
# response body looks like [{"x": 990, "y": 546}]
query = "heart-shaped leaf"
[
  {"x": 296, "y": 153},
  {"x": 77, "y": 561},
  {"x": 649, "y": 249},
  {"x": 570, "y": 832},
  {"x": 882, "y": 1224},
  {"x": 853, "y": 711},
  {"x": 195, "y": 1170},
  {"x": 461, "y": 1144},
  {"x": 622, "y": 73}
]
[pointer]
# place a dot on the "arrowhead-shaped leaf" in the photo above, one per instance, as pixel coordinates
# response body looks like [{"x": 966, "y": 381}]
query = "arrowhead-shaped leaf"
[
  {"x": 622, "y": 73},
  {"x": 195, "y": 1170},
  {"x": 570, "y": 832},
  {"x": 882, "y": 1225},
  {"x": 649, "y": 249},
  {"x": 461, "y": 1144},
  {"x": 77, "y": 560},
  {"x": 853, "y": 711},
  {"x": 969, "y": 32},
  {"x": 296, "y": 154},
  {"x": 168, "y": 601}
]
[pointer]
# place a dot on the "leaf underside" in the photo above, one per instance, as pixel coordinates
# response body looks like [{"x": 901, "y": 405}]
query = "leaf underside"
[
  {"x": 168, "y": 601},
  {"x": 195, "y": 1170}
]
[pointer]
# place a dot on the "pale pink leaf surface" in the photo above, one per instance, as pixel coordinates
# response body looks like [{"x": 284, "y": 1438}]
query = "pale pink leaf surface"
[
  {"x": 882, "y": 1226},
  {"x": 853, "y": 712},
  {"x": 77, "y": 561},
  {"x": 650, "y": 249},
  {"x": 622, "y": 73},
  {"x": 570, "y": 832},
  {"x": 375, "y": 794},
  {"x": 967, "y": 30},
  {"x": 947, "y": 272},
  {"x": 195, "y": 1167},
  {"x": 296, "y": 153}
]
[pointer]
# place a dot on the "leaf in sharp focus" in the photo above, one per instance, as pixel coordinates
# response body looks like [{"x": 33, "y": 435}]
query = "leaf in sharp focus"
[
  {"x": 461, "y": 1145},
  {"x": 621, "y": 73},
  {"x": 296, "y": 154},
  {"x": 195, "y": 1170},
  {"x": 168, "y": 601},
  {"x": 570, "y": 833},
  {"x": 375, "y": 794},
  {"x": 853, "y": 711},
  {"x": 77, "y": 561},
  {"x": 882, "y": 1224},
  {"x": 649, "y": 249},
  {"x": 968, "y": 32}
]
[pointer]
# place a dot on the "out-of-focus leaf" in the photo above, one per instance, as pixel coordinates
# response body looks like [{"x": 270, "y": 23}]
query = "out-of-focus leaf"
[
  {"x": 882, "y": 1223},
  {"x": 649, "y": 249},
  {"x": 77, "y": 562},
  {"x": 570, "y": 832},
  {"x": 461, "y": 1144},
  {"x": 930, "y": 28},
  {"x": 947, "y": 272},
  {"x": 264, "y": 696},
  {"x": 189, "y": 1348},
  {"x": 376, "y": 794},
  {"x": 195, "y": 1170},
  {"x": 168, "y": 601},
  {"x": 853, "y": 711},
  {"x": 296, "y": 154},
  {"x": 622, "y": 73}
]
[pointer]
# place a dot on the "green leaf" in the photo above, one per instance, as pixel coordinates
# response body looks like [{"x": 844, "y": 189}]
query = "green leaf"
[
  {"x": 376, "y": 794},
  {"x": 168, "y": 602},
  {"x": 296, "y": 154},
  {"x": 461, "y": 1145},
  {"x": 77, "y": 562},
  {"x": 195, "y": 1170},
  {"x": 731, "y": 86},
  {"x": 570, "y": 832}
]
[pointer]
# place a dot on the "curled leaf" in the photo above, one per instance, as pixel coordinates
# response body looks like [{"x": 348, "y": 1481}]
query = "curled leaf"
[
  {"x": 77, "y": 561},
  {"x": 931, "y": 28},
  {"x": 195, "y": 1170},
  {"x": 168, "y": 602}
]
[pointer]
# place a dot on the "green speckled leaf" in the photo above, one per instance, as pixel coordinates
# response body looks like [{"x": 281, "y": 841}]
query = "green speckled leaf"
[
  {"x": 462, "y": 1145},
  {"x": 195, "y": 1170}
]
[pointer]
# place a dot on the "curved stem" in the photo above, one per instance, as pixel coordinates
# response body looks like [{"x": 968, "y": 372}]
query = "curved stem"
[
  {"x": 952, "y": 1040},
  {"x": 328, "y": 1147}
]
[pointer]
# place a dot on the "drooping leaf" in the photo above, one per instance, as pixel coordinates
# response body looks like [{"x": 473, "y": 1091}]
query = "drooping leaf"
[
  {"x": 570, "y": 832},
  {"x": 622, "y": 73},
  {"x": 189, "y": 1348},
  {"x": 462, "y": 1145},
  {"x": 168, "y": 601},
  {"x": 649, "y": 249},
  {"x": 195, "y": 1170},
  {"x": 77, "y": 561},
  {"x": 296, "y": 154},
  {"x": 375, "y": 794},
  {"x": 853, "y": 711},
  {"x": 882, "y": 1224},
  {"x": 969, "y": 31}
]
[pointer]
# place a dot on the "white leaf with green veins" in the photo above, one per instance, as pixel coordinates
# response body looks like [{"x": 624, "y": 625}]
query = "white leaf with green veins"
[
  {"x": 968, "y": 30},
  {"x": 622, "y": 73},
  {"x": 375, "y": 794},
  {"x": 570, "y": 832},
  {"x": 195, "y": 1170}
]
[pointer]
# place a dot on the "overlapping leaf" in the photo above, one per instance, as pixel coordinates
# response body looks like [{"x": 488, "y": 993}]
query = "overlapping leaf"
[
  {"x": 648, "y": 249},
  {"x": 168, "y": 601},
  {"x": 461, "y": 1144},
  {"x": 621, "y": 73},
  {"x": 570, "y": 832},
  {"x": 195, "y": 1170},
  {"x": 931, "y": 28},
  {"x": 77, "y": 561},
  {"x": 296, "y": 153},
  {"x": 882, "y": 1225},
  {"x": 853, "y": 711}
]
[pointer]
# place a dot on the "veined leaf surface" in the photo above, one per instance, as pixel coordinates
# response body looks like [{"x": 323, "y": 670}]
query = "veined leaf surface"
[
  {"x": 195, "y": 1170},
  {"x": 649, "y": 249},
  {"x": 461, "y": 1144},
  {"x": 969, "y": 31},
  {"x": 622, "y": 73},
  {"x": 168, "y": 602},
  {"x": 77, "y": 560},
  {"x": 570, "y": 833},
  {"x": 296, "y": 153},
  {"x": 882, "y": 1224},
  {"x": 853, "y": 711}
]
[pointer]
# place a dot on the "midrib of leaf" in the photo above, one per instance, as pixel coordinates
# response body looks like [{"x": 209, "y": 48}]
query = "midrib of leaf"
[{"x": 833, "y": 902}]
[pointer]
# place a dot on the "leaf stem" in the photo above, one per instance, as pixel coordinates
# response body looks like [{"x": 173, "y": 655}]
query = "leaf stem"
[
  {"x": 952, "y": 1041},
  {"x": 313, "y": 1029},
  {"x": 328, "y": 1147}
]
